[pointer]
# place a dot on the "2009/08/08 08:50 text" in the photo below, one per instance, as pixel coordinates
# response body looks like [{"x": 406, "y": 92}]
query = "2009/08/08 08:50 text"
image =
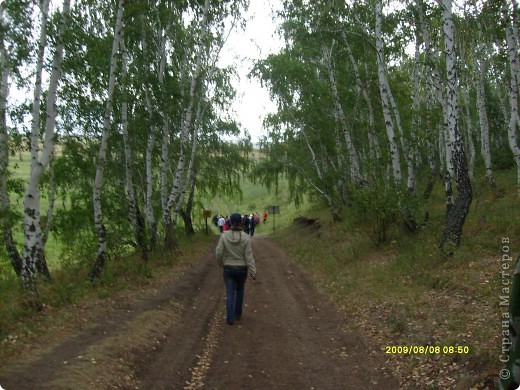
[{"x": 426, "y": 349}]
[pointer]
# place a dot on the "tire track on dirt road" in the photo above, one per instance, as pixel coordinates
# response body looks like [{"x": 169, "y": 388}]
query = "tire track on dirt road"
[
  {"x": 184, "y": 358},
  {"x": 293, "y": 336},
  {"x": 290, "y": 336}
]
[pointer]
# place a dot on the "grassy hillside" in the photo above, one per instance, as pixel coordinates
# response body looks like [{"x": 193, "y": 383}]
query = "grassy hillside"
[
  {"x": 256, "y": 198},
  {"x": 407, "y": 293}
]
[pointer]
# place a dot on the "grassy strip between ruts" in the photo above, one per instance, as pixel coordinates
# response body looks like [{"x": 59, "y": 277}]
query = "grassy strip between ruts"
[{"x": 406, "y": 295}]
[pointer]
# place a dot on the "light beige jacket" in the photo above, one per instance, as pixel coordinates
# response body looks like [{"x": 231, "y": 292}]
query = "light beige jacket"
[{"x": 234, "y": 249}]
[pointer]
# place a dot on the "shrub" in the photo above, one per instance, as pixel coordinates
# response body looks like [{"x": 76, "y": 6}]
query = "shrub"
[{"x": 375, "y": 209}]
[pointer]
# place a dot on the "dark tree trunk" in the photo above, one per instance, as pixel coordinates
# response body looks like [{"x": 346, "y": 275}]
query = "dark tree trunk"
[
  {"x": 41, "y": 265},
  {"x": 186, "y": 213},
  {"x": 188, "y": 223},
  {"x": 456, "y": 214},
  {"x": 170, "y": 241},
  {"x": 141, "y": 233},
  {"x": 12, "y": 251}
]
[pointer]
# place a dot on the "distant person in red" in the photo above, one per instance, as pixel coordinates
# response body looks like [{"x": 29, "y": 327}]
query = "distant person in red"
[
  {"x": 265, "y": 216},
  {"x": 227, "y": 225},
  {"x": 235, "y": 254}
]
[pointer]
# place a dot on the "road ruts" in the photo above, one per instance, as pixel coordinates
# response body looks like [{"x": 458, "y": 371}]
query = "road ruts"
[{"x": 291, "y": 336}]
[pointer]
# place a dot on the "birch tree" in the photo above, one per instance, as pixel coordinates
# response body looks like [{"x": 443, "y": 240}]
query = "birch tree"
[
  {"x": 99, "y": 264},
  {"x": 339, "y": 114},
  {"x": 375, "y": 152},
  {"x": 444, "y": 141},
  {"x": 134, "y": 213},
  {"x": 32, "y": 256},
  {"x": 186, "y": 125},
  {"x": 481, "y": 69},
  {"x": 456, "y": 215},
  {"x": 7, "y": 32},
  {"x": 385, "y": 97}
]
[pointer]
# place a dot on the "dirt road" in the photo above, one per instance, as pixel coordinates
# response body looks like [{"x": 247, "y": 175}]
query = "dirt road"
[{"x": 174, "y": 336}]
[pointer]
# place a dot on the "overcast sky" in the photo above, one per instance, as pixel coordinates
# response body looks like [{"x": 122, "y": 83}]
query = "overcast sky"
[{"x": 241, "y": 49}]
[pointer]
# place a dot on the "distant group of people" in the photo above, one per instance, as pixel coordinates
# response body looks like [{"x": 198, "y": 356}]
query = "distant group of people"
[{"x": 248, "y": 222}]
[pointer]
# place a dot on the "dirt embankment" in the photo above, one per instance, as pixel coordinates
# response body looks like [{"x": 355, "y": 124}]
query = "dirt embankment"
[{"x": 174, "y": 336}]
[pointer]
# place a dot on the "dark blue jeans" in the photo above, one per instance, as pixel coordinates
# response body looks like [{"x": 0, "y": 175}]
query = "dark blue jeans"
[{"x": 235, "y": 279}]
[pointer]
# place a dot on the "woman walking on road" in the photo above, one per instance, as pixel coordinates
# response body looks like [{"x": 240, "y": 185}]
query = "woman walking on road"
[{"x": 235, "y": 254}]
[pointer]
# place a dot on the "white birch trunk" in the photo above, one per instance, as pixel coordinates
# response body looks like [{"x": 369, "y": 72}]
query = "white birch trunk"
[
  {"x": 165, "y": 163},
  {"x": 191, "y": 165},
  {"x": 33, "y": 251},
  {"x": 385, "y": 100},
  {"x": 456, "y": 215},
  {"x": 150, "y": 218},
  {"x": 98, "y": 181},
  {"x": 339, "y": 115},
  {"x": 313, "y": 155},
  {"x": 373, "y": 143},
  {"x": 445, "y": 143},
  {"x": 480, "y": 67},
  {"x": 415, "y": 100},
  {"x": 186, "y": 125},
  {"x": 165, "y": 142},
  {"x": 5, "y": 206},
  {"x": 134, "y": 214},
  {"x": 514, "y": 66},
  {"x": 31, "y": 248},
  {"x": 407, "y": 150},
  {"x": 452, "y": 88},
  {"x": 469, "y": 136}
]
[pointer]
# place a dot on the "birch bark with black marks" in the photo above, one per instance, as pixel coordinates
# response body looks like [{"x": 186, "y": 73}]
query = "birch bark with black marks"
[
  {"x": 5, "y": 203},
  {"x": 165, "y": 142},
  {"x": 101, "y": 258},
  {"x": 456, "y": 215},
  {"x": 33, "y": 259},
  {"x": 373, "y": 143},
  {"x": 469, "y": 134},
  {"x": 339, "y": 116},
  {"x": 385, "y": 99},
  {"x": 186, "y": 125},
  {"x": 191, "y": 165},
  {"x": 32, "y": 232},
  {"x": 417, "y": 99},
  {"x": 445, "y": 143}
]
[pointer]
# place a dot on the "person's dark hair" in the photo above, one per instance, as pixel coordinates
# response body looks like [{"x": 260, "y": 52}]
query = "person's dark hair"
[{"x": 236, "y": 220}]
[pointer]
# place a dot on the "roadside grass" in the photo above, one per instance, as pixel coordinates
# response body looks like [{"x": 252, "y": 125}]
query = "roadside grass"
[
  {"x": 71, "y": 286},
  {"x": 407, "y": 293},
  {"x": 19, "y": 164}
]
